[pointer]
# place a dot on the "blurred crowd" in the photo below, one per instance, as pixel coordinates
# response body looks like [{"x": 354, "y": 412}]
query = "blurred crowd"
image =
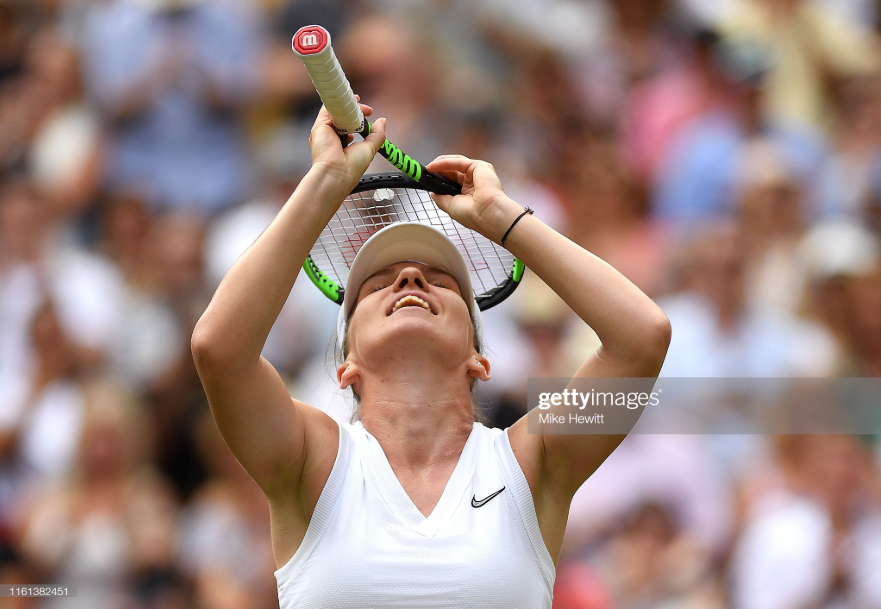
[{"x": 725, "y": 156}]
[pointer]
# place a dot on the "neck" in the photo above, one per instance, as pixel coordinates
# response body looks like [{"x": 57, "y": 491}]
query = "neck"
[{"x": 420, "y": 422}]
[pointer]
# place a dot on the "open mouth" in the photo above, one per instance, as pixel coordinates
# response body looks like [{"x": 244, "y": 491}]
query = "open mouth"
[{"x": 411, "y": 301}]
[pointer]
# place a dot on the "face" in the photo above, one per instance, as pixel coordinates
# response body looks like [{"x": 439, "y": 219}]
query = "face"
[
  {"x": 410, "y": 310},
  {"x": 836, "y": 466},
  {"x": 22, "y": 224}
]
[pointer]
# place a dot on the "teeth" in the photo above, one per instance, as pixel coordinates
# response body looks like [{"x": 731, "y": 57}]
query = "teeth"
[{"x": 411, "y": 301}]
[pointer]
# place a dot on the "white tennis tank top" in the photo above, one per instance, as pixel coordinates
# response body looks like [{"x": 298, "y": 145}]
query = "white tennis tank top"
[{"x": 367, "y": 544}]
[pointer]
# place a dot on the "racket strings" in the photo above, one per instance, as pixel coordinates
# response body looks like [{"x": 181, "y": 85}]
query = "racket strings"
[{"x": 362, "y": 214}]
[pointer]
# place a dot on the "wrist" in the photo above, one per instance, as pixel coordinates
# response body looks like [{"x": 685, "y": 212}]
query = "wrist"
[
  {"x": 527, "y": 211},
  {"x": 508, "y": 214},
  {"x": 329, "y": 181}
]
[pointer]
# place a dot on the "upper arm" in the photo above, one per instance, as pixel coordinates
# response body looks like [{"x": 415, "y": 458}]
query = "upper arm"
[
  {"x": 557, "y": 465},
  {"x": 274, "y": 437}
]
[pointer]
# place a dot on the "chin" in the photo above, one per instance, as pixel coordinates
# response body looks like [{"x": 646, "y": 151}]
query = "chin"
[{"x": 412, "y": 332}]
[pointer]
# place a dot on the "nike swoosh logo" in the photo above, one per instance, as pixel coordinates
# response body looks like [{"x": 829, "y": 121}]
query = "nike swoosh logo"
[{"x": 485, "y": 500}]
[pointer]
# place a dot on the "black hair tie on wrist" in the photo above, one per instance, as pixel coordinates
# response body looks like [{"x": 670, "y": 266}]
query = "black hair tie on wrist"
[{"x": 505, "y": 236}]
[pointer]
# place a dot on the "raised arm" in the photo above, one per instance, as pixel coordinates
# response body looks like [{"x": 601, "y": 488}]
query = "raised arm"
[
  {"x": 275, "y": 438},
  {"x": 633, "y": 330}
]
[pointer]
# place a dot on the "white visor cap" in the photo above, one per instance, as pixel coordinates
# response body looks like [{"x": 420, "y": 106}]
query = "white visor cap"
[{"x": 406, "y": 242}]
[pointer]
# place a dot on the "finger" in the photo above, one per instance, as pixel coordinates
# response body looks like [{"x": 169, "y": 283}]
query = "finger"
[
  {"x": 323, "y": 116},
  {"x": 367, "y": 110},
  {"x": 450, "y": 162},
  {"x": 377, "y": 135},
  {"x": 322, "y": 121},
  {"x": 456, "y": 176},
  {"x": 442, "y": 201},
  {"x": 445, "y": 157}
]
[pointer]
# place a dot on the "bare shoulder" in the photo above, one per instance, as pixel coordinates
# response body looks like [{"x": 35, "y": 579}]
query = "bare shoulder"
[
  {"x": 551, "y": 500},
  {"x": 527, "y": 450},
  {"x": 294, "y": 499},
  {"x": 554, "y": 467},
  {"x": 321, "y": 436}
]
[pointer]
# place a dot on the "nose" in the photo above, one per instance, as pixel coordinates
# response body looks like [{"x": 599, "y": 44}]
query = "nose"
[{"x": 410, "y": 277}]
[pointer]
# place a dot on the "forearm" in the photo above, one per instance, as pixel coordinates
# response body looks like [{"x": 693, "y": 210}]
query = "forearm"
[
  {"x": 250, "y": 297},
  {"x": 629, "y": 325}
]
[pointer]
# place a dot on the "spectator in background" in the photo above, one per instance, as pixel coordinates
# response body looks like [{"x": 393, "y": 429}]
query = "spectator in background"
[
  {"x": 161, "y": 259},
  {"x": 673, "y": 471},
  {"x": 43, "y": 414},
  {"x": 773, "y": 219},
  {"x": 44, "y": 128},
  {"x": 150, "y": 342},
  {"x": 817, "y": 541},
  {"x": 659, "y": 106},
  {"x": 697, "y": 180},
  {"x": 609, "y": 218},
  {"x": 64, "y": 155},
  {"x": 843, "y": 266},
  {"x": 848, "y": 178},
  {"x": 115, "y": 521},
  {"x": 173, "y": 269},
  {"x": 809, "y": 47},
  {"x": 863, "y": 301},
  {"x": 224, "y": 533},
  {"x": 36, "y": 266},
  {"x": 651, "y": 562},
  {"x": 172, "y": 78},
  {"x": 636, "y": 46},
  {"x": 719, "y": 335},
  {"x": 551, "y": 126}
]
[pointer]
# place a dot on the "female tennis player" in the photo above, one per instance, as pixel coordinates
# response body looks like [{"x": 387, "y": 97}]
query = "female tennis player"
[{"x": 415, "y": 505}]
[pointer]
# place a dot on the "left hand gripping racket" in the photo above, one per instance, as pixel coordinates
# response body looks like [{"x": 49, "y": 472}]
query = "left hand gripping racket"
[{"x": 381, "y": 199}]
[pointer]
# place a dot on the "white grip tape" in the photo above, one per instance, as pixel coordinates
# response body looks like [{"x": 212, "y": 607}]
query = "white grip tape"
[{"x": 331, "y": 83}]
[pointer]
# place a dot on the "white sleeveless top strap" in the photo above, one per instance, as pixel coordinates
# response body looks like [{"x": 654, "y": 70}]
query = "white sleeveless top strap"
[{"x": 367, "y": 545}]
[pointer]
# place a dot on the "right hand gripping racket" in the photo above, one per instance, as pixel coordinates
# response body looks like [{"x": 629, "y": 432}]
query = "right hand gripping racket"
[{"x": 381, "y": 199}]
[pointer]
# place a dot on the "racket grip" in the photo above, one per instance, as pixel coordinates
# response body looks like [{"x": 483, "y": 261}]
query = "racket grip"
[{"x": 312, "y": 44}]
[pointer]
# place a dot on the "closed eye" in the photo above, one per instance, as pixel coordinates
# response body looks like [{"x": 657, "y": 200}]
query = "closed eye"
[
  {"x": 438, "y": 284},
  {"x": 378, "y": 288}
]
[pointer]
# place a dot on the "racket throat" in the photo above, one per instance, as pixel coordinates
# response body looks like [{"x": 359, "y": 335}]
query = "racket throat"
[
  {"x": 402, "y": 161},
  {"x": 407, "y": 164}
]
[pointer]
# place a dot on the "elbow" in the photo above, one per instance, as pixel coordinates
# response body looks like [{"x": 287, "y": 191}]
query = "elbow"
[
  {"x": 216, "y": 350},
  {"x": 648, "y": 346},
  {"x": 657, "y": 340},
  {"x": 662, "y": 333},
  {"x": 206, "y": 347},
  {"x": 200, "y": 346},
  {"x": 643, "y": 351}
]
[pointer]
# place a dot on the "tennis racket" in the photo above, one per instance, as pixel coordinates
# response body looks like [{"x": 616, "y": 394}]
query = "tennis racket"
[{"x": 381, "y": 199}]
